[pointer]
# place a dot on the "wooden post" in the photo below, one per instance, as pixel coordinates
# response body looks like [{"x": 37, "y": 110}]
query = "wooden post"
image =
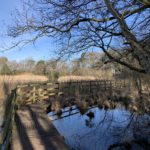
[
  {"x": 90, "y": 88},
  {"x": 19, "y": 100},
  {"x": 57, "y": 88},
  {"x": 110, "y": 88},
  {"x": 105, "y": 85},
  {"x": 34, "y": 94},
  {"x": 69, "y": 88},
  {"x": 124, "y": 83},
  {"x": 6, "y": 134},
  {"x": 39, "y": 93}
]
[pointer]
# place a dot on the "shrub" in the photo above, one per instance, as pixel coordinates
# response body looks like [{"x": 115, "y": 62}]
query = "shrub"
[{"x": 5, "y": 70}]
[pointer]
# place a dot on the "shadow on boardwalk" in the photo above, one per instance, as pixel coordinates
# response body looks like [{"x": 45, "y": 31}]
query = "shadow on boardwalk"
[
  {"x": 35, "y": 131},
  {"x": 23, "y": 134}
]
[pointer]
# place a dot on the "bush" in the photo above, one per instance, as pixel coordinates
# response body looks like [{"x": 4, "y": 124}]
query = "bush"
[{"x": 5, "y": 70}]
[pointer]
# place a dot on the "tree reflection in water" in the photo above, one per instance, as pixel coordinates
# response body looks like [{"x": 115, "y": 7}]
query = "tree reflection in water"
[{"x": 101, "y": 129}]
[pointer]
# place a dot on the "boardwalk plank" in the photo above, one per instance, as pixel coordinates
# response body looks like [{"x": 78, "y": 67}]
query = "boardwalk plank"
[{"x": 35, "y": 131}]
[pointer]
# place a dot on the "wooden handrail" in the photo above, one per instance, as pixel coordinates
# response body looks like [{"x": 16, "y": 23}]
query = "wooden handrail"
[
  {"x": 6, "y": 134},
  {"x": 31, "y": 93}
]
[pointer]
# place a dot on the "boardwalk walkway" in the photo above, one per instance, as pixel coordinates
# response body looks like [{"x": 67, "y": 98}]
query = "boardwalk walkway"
[{"x": 35, "y": 131}]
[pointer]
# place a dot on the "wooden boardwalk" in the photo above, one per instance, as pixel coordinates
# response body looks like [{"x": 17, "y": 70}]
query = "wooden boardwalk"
[{"x": 34, "y": 131}]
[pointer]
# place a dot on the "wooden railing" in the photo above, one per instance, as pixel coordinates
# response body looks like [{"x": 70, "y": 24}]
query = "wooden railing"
[
  {"x": 31, "y": 93},
  {"x": 91, "y": 87},
  {"x": 6, "y": 133}
]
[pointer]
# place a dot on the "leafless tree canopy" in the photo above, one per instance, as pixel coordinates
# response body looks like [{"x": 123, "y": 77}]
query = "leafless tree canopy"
[{"x": 120, "y": 28}]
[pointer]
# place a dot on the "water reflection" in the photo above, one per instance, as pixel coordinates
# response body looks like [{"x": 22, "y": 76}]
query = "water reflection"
[{"x": 97, "y": 129}]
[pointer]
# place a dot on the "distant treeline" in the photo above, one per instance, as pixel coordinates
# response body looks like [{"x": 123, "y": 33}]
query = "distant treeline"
[{"x": 88, "y": 64}]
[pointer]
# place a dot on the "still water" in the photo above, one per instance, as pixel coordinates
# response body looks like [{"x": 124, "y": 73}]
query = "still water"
[{"x": 98, "y": 131}]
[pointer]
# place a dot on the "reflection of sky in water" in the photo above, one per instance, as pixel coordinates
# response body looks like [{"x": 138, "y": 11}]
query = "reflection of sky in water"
[{"x": 106, "y": 128}]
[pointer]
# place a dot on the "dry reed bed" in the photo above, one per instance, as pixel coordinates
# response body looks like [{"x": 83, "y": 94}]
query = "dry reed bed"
[
  {"x": 81, "y": 78},
  {"x": 7, "y": 83},
  {"x": 23, "y": 78}
]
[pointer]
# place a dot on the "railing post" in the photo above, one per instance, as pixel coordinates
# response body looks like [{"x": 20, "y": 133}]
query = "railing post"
[
  {"x": 39, "y": 92},
  {"x": 90, "y": 88},
  {"x": 124, "y": 83},
  {"x": 34, "y": 94},
  {"x": 105, "y": 85},
  {"x": 19, "y": 98},
  {"x": 6, "y": 134},
  {"x": 110, "y": 88},
  {"x": 58, "y": 88}
]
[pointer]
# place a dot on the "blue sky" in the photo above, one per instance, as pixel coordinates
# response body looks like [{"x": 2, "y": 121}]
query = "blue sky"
[{"x": 41, "y": 50}]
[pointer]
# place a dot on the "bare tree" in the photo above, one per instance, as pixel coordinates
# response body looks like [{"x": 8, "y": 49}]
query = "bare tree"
[{"x": 81, "y": 25}]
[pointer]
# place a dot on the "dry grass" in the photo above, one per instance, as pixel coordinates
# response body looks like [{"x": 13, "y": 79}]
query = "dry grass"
[
  {"x": 82, "y": 78},
  {"x": 75, "y": 78},
  {"x": 100, "y": 74},
  {"x": 7, "y": 83},
  {"x": 88, "y": 75},
  {"x": 24, "y": 78}
]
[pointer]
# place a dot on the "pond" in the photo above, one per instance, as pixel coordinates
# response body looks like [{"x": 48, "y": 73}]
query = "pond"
[{"x": 98, "y": 129}]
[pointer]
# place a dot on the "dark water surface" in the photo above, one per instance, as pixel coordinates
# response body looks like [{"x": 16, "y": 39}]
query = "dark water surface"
[{"x": 106, "y": 128}]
